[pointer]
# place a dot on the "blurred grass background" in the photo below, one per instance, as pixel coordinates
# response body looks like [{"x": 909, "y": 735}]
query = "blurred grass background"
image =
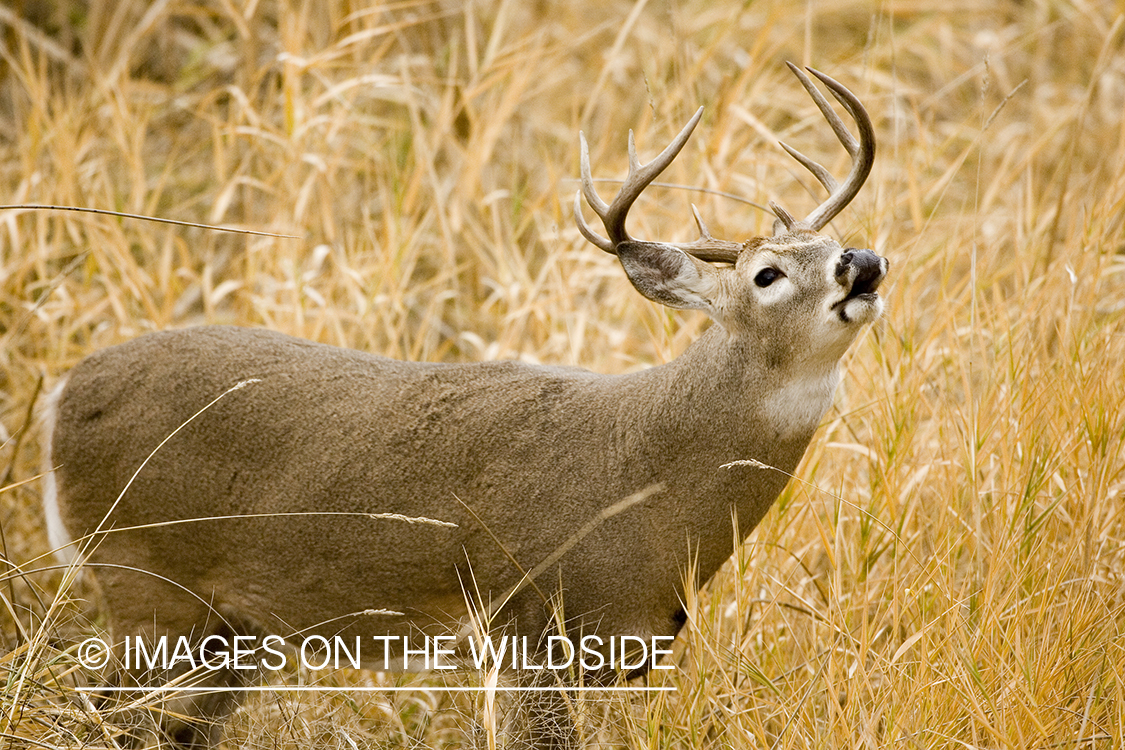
[{"x": 949, "y": 570}]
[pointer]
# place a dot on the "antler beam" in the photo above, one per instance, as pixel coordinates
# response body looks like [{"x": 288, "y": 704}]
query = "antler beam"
[
  {"x": 640, "y": 177},
  {"x": 861, "y": 151}
]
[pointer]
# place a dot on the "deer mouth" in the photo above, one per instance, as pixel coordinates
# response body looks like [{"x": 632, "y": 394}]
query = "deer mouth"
[{"x": 859, "y": 308}]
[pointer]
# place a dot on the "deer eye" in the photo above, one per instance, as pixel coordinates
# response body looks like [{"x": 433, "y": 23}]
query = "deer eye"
[{"x": 767, "y": 276}]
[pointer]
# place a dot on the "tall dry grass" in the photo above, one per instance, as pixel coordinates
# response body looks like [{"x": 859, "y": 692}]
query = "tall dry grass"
[{"x": 947, "y": 569}]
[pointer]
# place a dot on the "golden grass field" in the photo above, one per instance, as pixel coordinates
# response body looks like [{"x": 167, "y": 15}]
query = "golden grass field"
[{"x": 948, "y": 568}]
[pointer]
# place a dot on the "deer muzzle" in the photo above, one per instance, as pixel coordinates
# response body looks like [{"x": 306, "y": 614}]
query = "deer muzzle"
[{"x": 861, "y": 270}]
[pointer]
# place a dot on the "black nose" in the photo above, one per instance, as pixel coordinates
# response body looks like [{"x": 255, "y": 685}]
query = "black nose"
[{"x": 865, "y": 268}]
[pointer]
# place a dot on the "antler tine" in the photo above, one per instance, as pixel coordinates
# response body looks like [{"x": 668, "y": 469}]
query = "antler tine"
[
  {"x": 709, "y": 248},
  {"x": 640, "y": 176},
  {"x": 862, "y": 151},
  {"x": 600, "y": 207}
]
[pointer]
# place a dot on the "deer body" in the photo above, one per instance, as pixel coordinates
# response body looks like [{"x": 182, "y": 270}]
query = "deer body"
[
  {"x": 535, "y": 452},
  {"x": 519, "y": 458}
]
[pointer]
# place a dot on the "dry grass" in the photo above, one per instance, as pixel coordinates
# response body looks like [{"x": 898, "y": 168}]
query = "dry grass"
[{"x": 949, "y": 571}]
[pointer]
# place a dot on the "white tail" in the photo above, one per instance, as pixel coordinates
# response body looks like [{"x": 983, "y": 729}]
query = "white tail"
[
  {"x": 57, "y": 533},
  {"x": 526, "y": 466}
]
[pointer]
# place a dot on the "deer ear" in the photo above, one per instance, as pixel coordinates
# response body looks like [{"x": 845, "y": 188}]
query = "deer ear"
[{"x": 668, "y": 275}]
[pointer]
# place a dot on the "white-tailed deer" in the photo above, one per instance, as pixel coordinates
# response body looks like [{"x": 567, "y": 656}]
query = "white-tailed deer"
[{"x": 526, "y": 465}]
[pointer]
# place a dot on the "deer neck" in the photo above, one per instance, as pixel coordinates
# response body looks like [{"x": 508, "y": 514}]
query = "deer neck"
[
  {"x": 723, "y": 395},
  {"x": 721, "y": 403}
]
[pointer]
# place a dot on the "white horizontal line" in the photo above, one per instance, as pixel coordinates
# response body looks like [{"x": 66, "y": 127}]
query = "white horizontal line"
[{"x": 344, "y": 689}]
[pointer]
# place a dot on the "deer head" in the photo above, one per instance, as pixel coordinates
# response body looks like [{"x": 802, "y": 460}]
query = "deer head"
[{"x": 798, "y": 293}]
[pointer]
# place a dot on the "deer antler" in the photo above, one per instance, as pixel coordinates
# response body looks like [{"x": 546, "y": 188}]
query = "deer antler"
[
  {"x": 861, "y": 151},
  {"x": 709, "y": 248},
  {"x": 640, "y": 176}
]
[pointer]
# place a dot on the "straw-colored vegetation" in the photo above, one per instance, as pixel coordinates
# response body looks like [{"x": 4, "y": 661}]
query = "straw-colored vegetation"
[{"x": 948, "y": 569}]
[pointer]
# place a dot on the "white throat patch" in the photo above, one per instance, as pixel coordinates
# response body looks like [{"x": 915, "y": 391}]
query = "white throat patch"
[{"x": 799, "y": 405}]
